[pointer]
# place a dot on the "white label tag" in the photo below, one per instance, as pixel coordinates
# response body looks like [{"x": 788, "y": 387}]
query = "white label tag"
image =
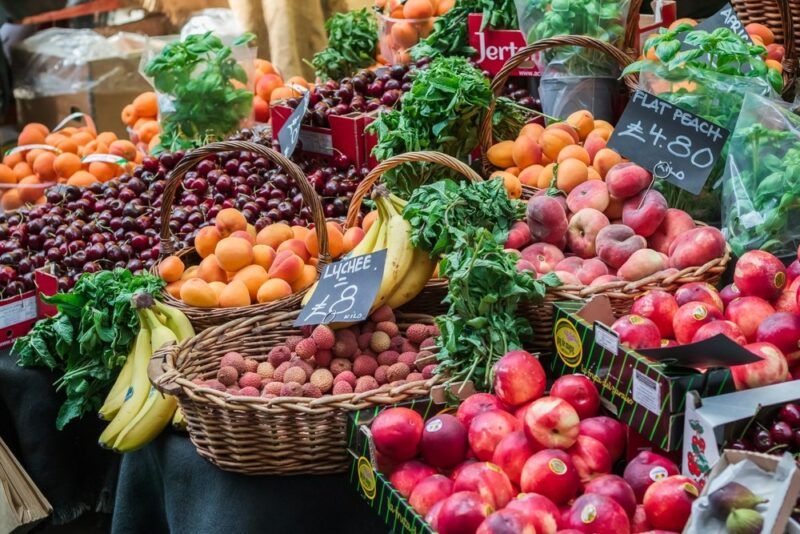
[
  {"x": 17, "y": 312},
  {"x": 23, "y": 148},
  {"x": 606, "y": 338},
  {"x": 106, "y": 158},
  {"x": 69, "y": 118},
  {"x": 647, "y": 392},
  {"x": 318, "y": 143}
]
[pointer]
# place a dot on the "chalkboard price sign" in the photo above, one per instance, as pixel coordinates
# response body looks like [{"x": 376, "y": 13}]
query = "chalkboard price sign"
[
  {"x": 674, "y": 144},
  {"x": 290, "y": 131},
  {"x": 346, "y": 290},
  {"x": 725, "y": 18}
]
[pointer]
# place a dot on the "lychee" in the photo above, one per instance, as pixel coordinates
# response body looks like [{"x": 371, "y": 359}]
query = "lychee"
[
  {"x": 278, "y": 374},
  {"x": 295, "y": 374},
  {"x": 323, "y": 336},
  {"x": 233, "y": 390},
  {"x": 368, "y": 327},
  {"x": 310, "y": 390},
  {"x": 417, "y": 333},
  {"x": 397, "y": 371},
  {"x": 408, "y": 346},
  {"x": 408, "y": 358},
  {"x": 278, "y": 355},
  {"x": 363, "y": 340},
  {"x": 364, "y": 366},
  {"x": 388, "y": 357},
  {"x": 265, "y": 369},
  {"x": 265, "y": 395},
  {"x": 249, "y": 391},
  {"x": 250, "y": 380},
  {"x": 427, "y": 343},
  {"x": 346, "y": 376},
  {"x": 292, "y": 389},
  {"x": 429, "y": 371},
  {"x": 345, "y": 348},
  {"x": 380, "y": 341},
  {"x": 380, "y": 374},
  {"x": 433, "y": 330},
  {"x": 323, "y": 379},
  {"x": 342, "y": 387},
  {"x": 273, "y": 388},
  {"x": 397, "y": 344},
  {"x": 366, "y": 383},
  {"x": 228, "y": 375},
  {"x": 384, "y": 313},
  {"x": 389, "y": 327},
  {"x": 233, "y": 359},
  {"x": 339, "y": 365},
  {"x": 306, "y": 348},
  {"x": 323, "y": 357},
  {"x": 292, "y": 341},
  {"x": 302, "y": 364},
  {"x": 415, "y": 377},
  {"x": 213, "y": 383}
]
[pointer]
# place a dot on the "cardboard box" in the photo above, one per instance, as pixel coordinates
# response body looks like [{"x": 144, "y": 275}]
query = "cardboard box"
[
  {"x": 17, "y": 316},
  {"x": 645, "y": 392},
  {"x": 712, "y": 422},
  {"x": 665, "y": 12},
  {"x": 495, "y": 47},
  {"x": 22, "y": 505}
]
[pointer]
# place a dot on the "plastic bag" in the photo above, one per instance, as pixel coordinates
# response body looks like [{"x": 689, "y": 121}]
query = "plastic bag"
[
  {"x": 221, "y": 22},
  {"x": 761, "y": 184},
  {"x": 562, "y": 93}
]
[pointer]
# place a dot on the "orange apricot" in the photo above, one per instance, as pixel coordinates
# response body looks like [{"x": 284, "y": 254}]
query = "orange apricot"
[
  {"x": 7, "y": 175},
  {"x": 13, "y": 159},
  {"x": 510, "y": 182},
  {"x": 123, "y": 148},
  {"x": 210, "y": 271},
  {"x": 146, "y": 104},
  {"x": 754, "y": 29},
  {"x": 31, "y": 136},
  {"x": 31, "y": 155},
  {"x": 604, "y": 160},
  {"x": 66, "y": 164},
  {"x": 128, "y": 115},
  {"x": 532, "y": 130},
  {"x": 501, "y": 154},
  {"x": 263, "y": 255},
  {"x": 567, "y": 129},
  {"x": 206, "y": 240},
  {"x": 234, "y": 295},
  {"x": 530, "y": 175},
  {"x": 553, "y": 141},
  {"x": 418, "y": 9},
  {"x": 30, "y": 188},
  {"x": 352, "y": 237},
  {"x": 306, "y": 279},
  {"x": 253, "y": 277},
  {"x": 43, "y": 166},
  {"x": 273, "y": 289},
  {"x": 218, "y": 287},
  {"x": 571, "y": 173},
  {"x": 230, "y": 220},
  {"x": 103, "y": 171},
  {"x": 404, "y": 34},
  {"x": 22, "y": 169},
  {"x": 287, "y": 266},
  {"x": 300, "y": 232},
  {"x": 582, "y": 121},
  {"x": 233, "y": 253},
  {"x": 335, "y": 241},
  {"x": 174, "y": 289},
  {"x": 244, "y": 234},
  {"x": 196, "y": 292},
  {"x": 574, "y": 151},
  {"x": 267, "y": 84},
  {"x": 67, "y": 145},
  {"x": 10, "y": 200},
  {"x": 546, "y": 176},
  {"x": 369, "y": 218},
  {"x": 274, "y": 234},
  {"x": 83, "y": 138},
  {"x": 190, "y": 272},
  {"x": 171, "y": 268},
  {"x": 82, "y": 179},
  {"x": 298, "y": 246},
  {"x": 526, "y": 152}
]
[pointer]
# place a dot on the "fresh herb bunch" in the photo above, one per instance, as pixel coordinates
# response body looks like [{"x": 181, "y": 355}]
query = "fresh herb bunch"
[
  {"x": 438, "y": 212},
  {"x": 352, "y": 40},
  {"x": 197, "y": 74},
  {"x": 89, "y": 339},
  {"x": 449, "y": 36}
]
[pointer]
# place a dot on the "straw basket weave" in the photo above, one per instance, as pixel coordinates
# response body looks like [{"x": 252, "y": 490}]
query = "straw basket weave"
[
  {"x": 204, "y": 317},
  {"x": 260, "y": 436}
]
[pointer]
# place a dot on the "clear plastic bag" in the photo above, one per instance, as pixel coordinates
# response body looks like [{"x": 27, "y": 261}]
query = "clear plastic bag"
[
  {"x": 221, "y": 22},
  {"x": 562, "y": 93},
  {"x": 761, "y": 183}
]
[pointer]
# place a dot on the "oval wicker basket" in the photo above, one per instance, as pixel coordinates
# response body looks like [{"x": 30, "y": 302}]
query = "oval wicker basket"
[
  {"x": 782, "y": 17},
  {"x": 205, "y": 317},
  {"x": 258, "y": 436},
  {"x": 620, "y": 293},
  {"x": 430, "y": 298}
]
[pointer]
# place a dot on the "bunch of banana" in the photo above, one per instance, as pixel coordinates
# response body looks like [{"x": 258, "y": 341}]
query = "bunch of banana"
[{"x": 137, "y": 411}]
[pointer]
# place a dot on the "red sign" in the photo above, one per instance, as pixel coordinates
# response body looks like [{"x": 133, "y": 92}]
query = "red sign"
[
  {"x": 495, "y": 47},
  {"x": 17, "y": 315}
]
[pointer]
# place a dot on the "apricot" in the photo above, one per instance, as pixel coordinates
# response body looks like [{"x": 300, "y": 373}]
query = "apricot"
[
  {"x": 210, "y": 271},
  {"x": 146, "y": 104},
  {"x": 592, "y": 174},
  {"x": 12, "y": 159},
  {"x": 103, "y": 171},
  {"x": 404, "y": 34},
  {"x": 253, "y": 276},
  {"x": 206, "y": 240},
  {"x": 244, "y": 234},
  {"x": 122, "y": 148},
  {"x": 190, "y": 272},
  {"x": 352, "y": 237},
  {"x": 287, "y": 266},
  {"x": 532, "y": 130},
  {"x": 218, "y": 287},
  {"x": 273, "y": 289},
  {"x": 82, "y": 179},
  {"x": 31, "y": 136},
  {"x": 306, "y": 279},
  {"x": 66, "y": 164},
  {"x": 93, "y": 147},
  {"x": 569, "y": 130},
  {"x": 775, "y": 65},
  {"x": 251, "y": 230},
  {"x": 335, "y": 242},
  {"x": 230, "y": 220},
  {"x": 514, "y": 170},
  {"x": 30, "y": 188},
  {"x": 107, "y": 137},
  {"x": 282, "y": 93},
  {"x": 500, "y": 154},
  {"x": 755, "y": 29},
  {"x": 233, "y": 253},
  {"x": 418, "y": 9},
  {"x": 445, "y": 6},
  {"x": 174, "y": 289},
  {"x": 604, "y": 160},
  {"x": 67, "y": 145},
  {"x": 234, "y": 295},
  {"x": 31, "y": 155},
  {"x": 10, "y": 200},
  {"x": 574, "y": 151},
  {"x": 263, "y": 255},
  {"x": 593, "y": 144},
  {"x": 274, "y": 234},
  {"x": 267, "y": 84},
  {"x": 298, "y": 246},
  {"x": 7, "y": 175},
  {"x": 54, "y": 139},
  {"x": 685, "y": 20},
  {"x": 22, "y": 169},
  {"x": 546, "y": 176},
  {"x": 171, "y": 269},
  {"x": 511, "y": 183},
  {"x": 83, "y": 138},
  {"x": 37, "y": 126},
  {"x": 526, "y": 152},
  {"x": 300, "y": 232},
  {"x": 582, "y": 121},
  {"x": 571, "y": 173},
  {"x": 369, "y": 218},
  {"x": 530, "y": 175},
  {"x": 197, "y": 292},
  {"x": 553, "y": 141}
]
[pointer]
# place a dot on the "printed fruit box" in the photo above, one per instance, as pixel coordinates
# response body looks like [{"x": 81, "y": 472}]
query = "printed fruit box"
[
  {"x": 647, "y": 393},
  {"x": 495, "y": 47},
  {"x": 17, "y": 316}
]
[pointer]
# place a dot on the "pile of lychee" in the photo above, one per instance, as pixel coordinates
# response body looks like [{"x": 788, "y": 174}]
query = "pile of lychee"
[{"x": 325, "y": 361}]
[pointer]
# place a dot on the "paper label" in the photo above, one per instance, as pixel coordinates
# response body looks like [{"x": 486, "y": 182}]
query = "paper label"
[
  {"x": 106, "y": 158},
  {"x": 66, "y": 120},
  {"x": 647, "y": 392},
  {"x": 606, "y": 338},
  {"x": 317, "y": 142},
  {"x": 23, "y": 148},
  {"x": 17, "y": 312}
]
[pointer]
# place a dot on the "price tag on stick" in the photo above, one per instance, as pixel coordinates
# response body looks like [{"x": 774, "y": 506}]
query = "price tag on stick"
[
  {"x": 290, "y": 132},
  {"x": 674, "y": 144},
  {"x": 346, "y": 290}
]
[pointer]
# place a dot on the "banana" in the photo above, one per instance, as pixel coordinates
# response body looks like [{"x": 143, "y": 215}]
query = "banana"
[
  {"x": 160, "y": 335},
  {"x": 419, "y": 273},
  {"x": 176, "y": 321},
  {"x": 116, "y": 396},
  {"x": 383, "y": 217},
  {"x": 136, "y": 394},
  {"x": 398, "y": 202},
  {"x": 399, "y": 254},
  {"x": 367, "y": 244},
  {"x": 156, "y": 413},
  {"x": 178, "y": 421}
]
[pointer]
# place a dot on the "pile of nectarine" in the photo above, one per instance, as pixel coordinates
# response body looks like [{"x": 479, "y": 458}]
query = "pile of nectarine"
[
  {"x": 240, "y": 267},
  {"x": 141, "y": 118},
  {"x": 404, "y": 23}
]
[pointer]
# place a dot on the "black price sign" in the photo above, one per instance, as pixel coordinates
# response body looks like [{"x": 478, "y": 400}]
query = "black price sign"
[
  {"x": 674, "y": 144},
  {"x": 725, "y": 18},
  {"x": 290, "y": 131},
  {"x": 346, "y": 290}
]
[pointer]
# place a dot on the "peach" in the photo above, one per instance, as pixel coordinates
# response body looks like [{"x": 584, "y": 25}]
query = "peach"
[
  {"x": 604, "y": 279},
  {"x": 475, "y": 405},
  {"x": 196, "y": 292},
  {"x": 564, "y": 127},
  {"x": 690, "y": 317},
  {"x": 298, "y": 246},
  {"x": 274, "y": 234},
  {"x": 519, "y": 236},
  {"x": 696, "y": 247},
  {"x": 775, "y": 52},
  {"x": 787, "y": 302},
  {"x": 668, "y": 502},
  {"x": 604, "y": 160},
  {"x": 614, "y": 209},
  {"x": 614, "y": 487},
  {"x": 233, "y": 253},
  {"x": 511, "y": 454},
  {"x": 210, "y": 271},
  {"x": 675, "y": 223},
  {"x": 263, "y": 255},
  {"x": 526, "y": 152},
  {"x": 594, "y": 144},
  {"x": 570, "y": 173},
  {"x": 487, "y": 480},
  {"x": 597, "y": 514},
  {"x": 726, "y": 328},
  {"x": 407, "y": 475},
  {"x": 748, "y": 313},
  {"x": 428, "y": 492},
  {"x": 760, "y": 274},
  {"x": 538, "y": 511},
  {"x": 625, "y": 180},
  {"x": 644, "y": 212},
  {"x": 616, "y": 243},
  {"x": 287, "y": 266},
  {"x": 397, "y": 433},
  {"x": 583, "y": 229},
  {"x": 658, "y": 306},
  {"x": 637, "y": 332},
  {"x": 589, "y": 194},
  {"x": 567, "y": 278},
  {"x": 444, "y": 441},
  {"x": 234, "y": 295},
  {"x": 551, "y": 474},
  {"x": 553, "y": 141},
  {"x": 755, "y": 29},
  {"x": 728, "y": 294},
  {"x": 579, "y": 391},
  {"x": 582, "y": 121},
  {"x": 771, "y": 369},
  {"x": 700, "y": 292},
  {"x": 547, "y": 219},
  {"x": 518, "y": 378},
  {"x": 586, "y": 270},
  {"x": 272, "y": 290},
  {"x": 206, "y": 240},
  {"x": 229, "y": 220},
  {"x": 486, "y": 431},
  {"x": 462, "y": 512},
  {"x": 551, "y": 422},
  {"x": 543, "y": 256},
  {"x": 253, "y": 277},
  {"x": 608, "y": 431}
]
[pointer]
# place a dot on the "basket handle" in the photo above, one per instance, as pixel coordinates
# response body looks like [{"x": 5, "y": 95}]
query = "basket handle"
[
  {"x": 789, "y": 62},
  {"x": 161, "y": 378},
  {"x": 522, "y": 55},
  {"x": 390, "y": 163},
  {"x": 191, "y": 159}
]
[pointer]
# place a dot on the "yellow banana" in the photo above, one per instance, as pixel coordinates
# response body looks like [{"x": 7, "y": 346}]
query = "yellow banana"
[
  {"x": 136, "y": 394},
  {"x": 176, "y": 321},
  {"x": 160, "y": 335},
  {"x": 116, "y": 396},
  {"x": 399, "y": 254},
  {"x": 398, "y": 202},
  {"x": 178, "y": 421},
  {"x": 383, "y": 217},
  {"x": 367, "y": 244},
  {"x": 418, "y": 274},
  {"x": 149, "y": 422}
]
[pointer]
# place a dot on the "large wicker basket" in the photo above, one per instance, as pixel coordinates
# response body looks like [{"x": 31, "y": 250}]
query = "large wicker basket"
[
  {"x": 259, "y": 436},
  {"x": 430, "y": 298},
  {"x": 782, "y": 17},
  {"x": 204, "y": 317}
]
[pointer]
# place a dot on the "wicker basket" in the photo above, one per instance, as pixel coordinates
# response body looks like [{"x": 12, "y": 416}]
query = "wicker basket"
[
  {"x": 620, "y": 293},
  {"x": 202, "y": 318},
  {"x": 430, "y": 298},
  {"x": 782, "y": 17},
  {"x": 258, "y": 436}
]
